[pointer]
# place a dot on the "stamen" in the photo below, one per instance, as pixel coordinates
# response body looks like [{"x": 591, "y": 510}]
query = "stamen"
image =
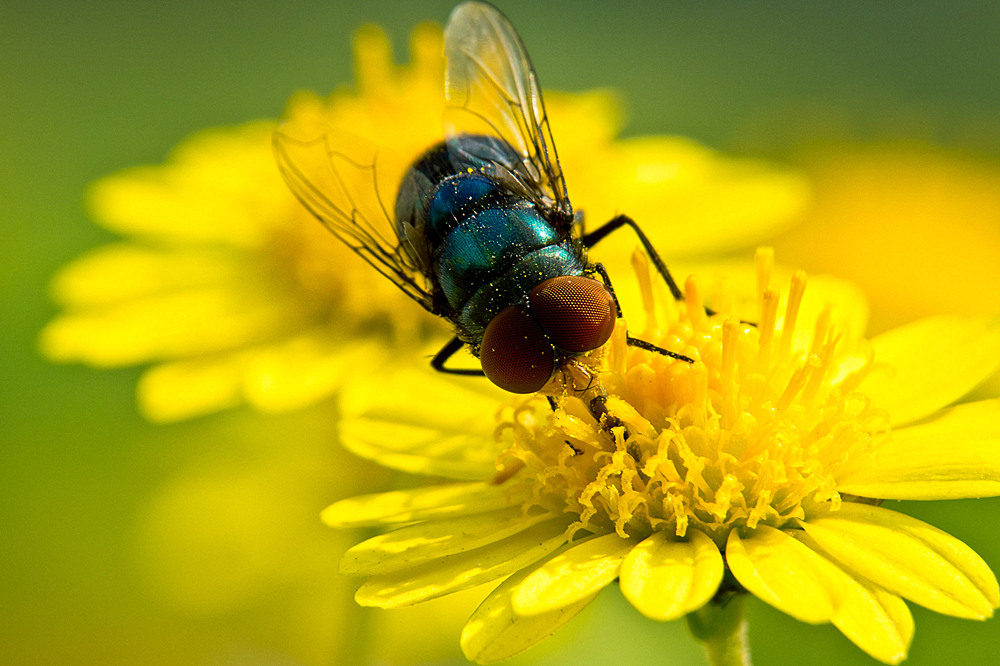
[
  {"x": 730, "y": 331},
  {"x": 764, "y": 263},
  {"x": 822, "y": 329},
  {"x": 768, "y": 317},
  {"x": 694, "y": 301},
  {"x": 723, "y": 296},
  {"x": 795, "y": 384},
  {"x": 795, "y": 292},
  {"x": 730, "y": 386},
  {"x": 823, "y": 362},
  {"x": 640, "y": 264},
  {"x": 698, "y": 377}
]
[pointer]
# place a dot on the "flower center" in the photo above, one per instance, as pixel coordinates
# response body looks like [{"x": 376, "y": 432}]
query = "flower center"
[
  {"x": 336, "y": 286},
  {"x": 751, "y": 433}
]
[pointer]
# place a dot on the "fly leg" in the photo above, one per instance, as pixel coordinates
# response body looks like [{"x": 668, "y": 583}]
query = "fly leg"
[
  {"x": 603, "y": 272},
  {"x": 636, "y": 342},
  {"x": 594, "y": 237},
  {"x": 614, "y": 224},
  {"x": 447, "y": 352}
]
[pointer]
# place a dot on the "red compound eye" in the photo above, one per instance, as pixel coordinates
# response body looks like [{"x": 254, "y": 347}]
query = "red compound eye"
[
  {"x": 515, "y": 354},
  {"x": 577, "y": 313}
]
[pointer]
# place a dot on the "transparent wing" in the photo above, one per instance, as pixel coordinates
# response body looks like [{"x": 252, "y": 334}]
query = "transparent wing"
[
  {"x": 492, "y": 89},
  {"x": 351, "y": 185}
]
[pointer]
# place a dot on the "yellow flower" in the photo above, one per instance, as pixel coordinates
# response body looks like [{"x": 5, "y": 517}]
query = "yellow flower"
[
  {"x": 233, "y": 294},
  {"x": 894, "y": 196},
  {"x": 761, "y": 467}
]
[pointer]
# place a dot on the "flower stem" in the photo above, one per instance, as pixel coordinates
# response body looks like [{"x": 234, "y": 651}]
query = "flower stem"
[{"x": 720, "y": 627}]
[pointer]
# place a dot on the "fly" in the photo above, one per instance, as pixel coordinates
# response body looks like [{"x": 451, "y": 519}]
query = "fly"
[{"x": 482, "y": 232}]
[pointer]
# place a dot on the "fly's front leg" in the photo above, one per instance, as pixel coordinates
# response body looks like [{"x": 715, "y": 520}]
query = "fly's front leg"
[
  {"x": 599, "y": 267},
  {"x": 597, "y": 235},
  {"x": 446, "y": 353},
  {"x": 614, "y": 224},
  {"x": 629, "y": 340}
]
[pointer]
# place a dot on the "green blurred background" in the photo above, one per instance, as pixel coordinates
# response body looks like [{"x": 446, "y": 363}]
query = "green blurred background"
[{"x": 90, "y": 88}]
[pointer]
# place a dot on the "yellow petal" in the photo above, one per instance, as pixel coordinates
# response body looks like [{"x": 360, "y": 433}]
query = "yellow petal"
[
  {"x": 666, "y": 579},
  {"x": 574, "y": 574},
  {"x": 196, "y": 197},
  {"x": 595, "y": 117},
  {"x": 173, "y": 325},
  {"x": 932, "y": 214},
  {"x": 179, "y": 390},
  {"x": 715, "y": 202},
  {"x": 954, "y": 455},
  {"x": 276, "y": 378},
  {"x": 434, "y": 540},
  {"x": 878, "y": 622},
  {"x": 463, "y": 570},
  {"x": 125, "y": 271},
  {"x": 423, "y": 503},
  {"x": 304, "y": 369},
  {"x": 423, "y": 422},
  {"x": 789, "y": 571},
  {"x": 786, "y": 573},
  {"x": 495, "y": 632},
  {"x": 875, "y": 620},
  {"x": 908, "y": 557},
  {"x": 926, "y": 365}
]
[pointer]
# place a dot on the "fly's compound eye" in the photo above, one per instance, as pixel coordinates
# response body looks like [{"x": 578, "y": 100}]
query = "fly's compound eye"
[
  {"x": 577, "y": 313},
  {"x": 515, "y": 354}
]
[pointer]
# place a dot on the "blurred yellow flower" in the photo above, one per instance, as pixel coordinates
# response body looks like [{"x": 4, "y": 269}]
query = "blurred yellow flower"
[
  {"x": 761, "y": 467},
  {"x": 932, "y": 213},
  {"x": 233, "y": 294}
]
